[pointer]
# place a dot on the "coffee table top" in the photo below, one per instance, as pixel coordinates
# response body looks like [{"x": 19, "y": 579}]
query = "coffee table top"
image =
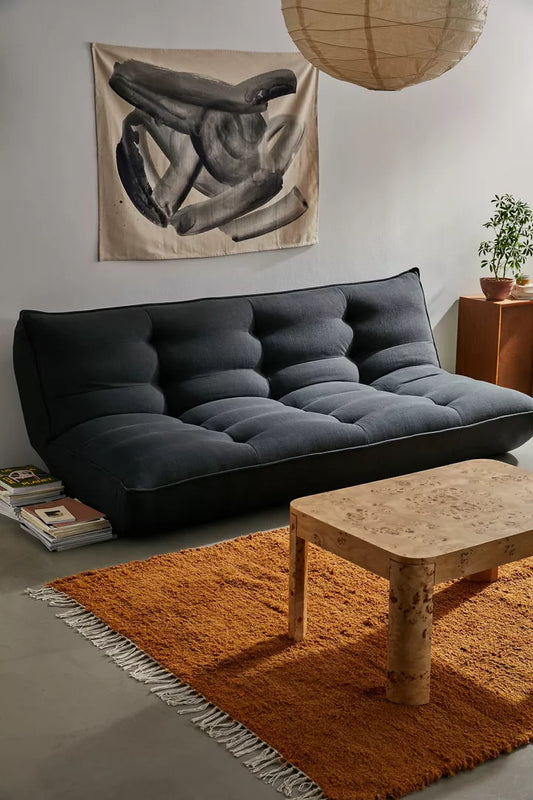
[{"x": 427, "y": 516}]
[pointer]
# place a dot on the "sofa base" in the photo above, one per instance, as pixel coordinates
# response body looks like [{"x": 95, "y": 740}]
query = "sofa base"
[{"x": 138, "y": 512}]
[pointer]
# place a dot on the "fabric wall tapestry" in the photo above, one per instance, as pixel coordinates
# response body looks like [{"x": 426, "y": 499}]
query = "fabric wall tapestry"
[{"x": 204, "y": 152}]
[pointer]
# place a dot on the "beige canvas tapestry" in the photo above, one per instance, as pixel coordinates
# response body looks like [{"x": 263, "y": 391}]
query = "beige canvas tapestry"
[{"x": 204, "y": 152}]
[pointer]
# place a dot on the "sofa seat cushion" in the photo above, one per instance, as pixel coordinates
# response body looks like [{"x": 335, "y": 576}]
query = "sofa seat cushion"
[
  {"x": 273, "y": 430},
  {"x": 151, "y": 472},
  {"x": 146, "y": 451},
  {"x": 470, "y": 400},
  {"x": 407, "y": 400},
  {"x": 379, "y": 415}
]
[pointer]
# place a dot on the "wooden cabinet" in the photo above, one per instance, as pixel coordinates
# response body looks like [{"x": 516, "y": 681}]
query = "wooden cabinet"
[{"x": 495, "y": 341}]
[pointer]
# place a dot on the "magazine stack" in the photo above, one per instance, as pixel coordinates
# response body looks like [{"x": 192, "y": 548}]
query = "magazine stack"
[
  {"x": 67, "y": 524},
  {"x": 20, "y": 486}
]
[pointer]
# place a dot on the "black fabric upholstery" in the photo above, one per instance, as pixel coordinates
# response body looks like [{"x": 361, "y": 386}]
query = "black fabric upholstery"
[
  {"x": 93, "y": 363},
  {"x": 163, "y": 414}
]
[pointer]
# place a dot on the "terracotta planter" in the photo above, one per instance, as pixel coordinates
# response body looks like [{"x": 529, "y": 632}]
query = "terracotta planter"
[{"x": 496, "y": 288}]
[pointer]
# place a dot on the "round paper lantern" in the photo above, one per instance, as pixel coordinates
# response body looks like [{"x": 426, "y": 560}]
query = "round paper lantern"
[{"x": 384, "y": 44}]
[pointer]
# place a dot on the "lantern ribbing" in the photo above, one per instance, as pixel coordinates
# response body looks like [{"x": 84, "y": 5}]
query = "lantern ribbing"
[{"x": 384, "y": 44}]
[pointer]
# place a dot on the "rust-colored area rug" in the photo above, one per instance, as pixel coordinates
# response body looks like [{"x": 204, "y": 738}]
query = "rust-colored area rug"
[{"x": 216, "y": 618}]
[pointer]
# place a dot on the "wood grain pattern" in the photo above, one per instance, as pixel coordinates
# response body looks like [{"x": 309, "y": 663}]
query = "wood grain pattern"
[
  {"x": 297, "y": 583},
  {"x": 461, "y": 520},
  {"x": 478, "y": 338},
  {"x": 463, "y": 517},
  {"x": 485, "y": 576},
  {"x": 410, "y": 626},
  {"x": 331, "y": 538},
  {"x": 495, "y": 341},
  {"x": 515, "y": 363}
]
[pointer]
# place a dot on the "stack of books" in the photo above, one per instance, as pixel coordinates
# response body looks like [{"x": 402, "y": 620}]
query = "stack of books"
[
  {"x": 61, "y": 526},
  {"x": 522, "y": 292},
  {"x": 20, "y": 486}
]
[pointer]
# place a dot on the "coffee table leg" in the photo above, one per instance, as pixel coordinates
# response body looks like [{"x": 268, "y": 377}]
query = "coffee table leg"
[
  {"x": 486, "y": 576},
  {"x": 297, "y": 584},
  {"x": 410, "y": 624}
]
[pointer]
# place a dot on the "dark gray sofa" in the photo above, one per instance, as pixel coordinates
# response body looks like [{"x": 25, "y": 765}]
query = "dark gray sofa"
[{"x": 165, "y": 414}]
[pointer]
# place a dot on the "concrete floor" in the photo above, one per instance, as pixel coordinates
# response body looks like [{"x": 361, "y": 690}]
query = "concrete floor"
[{"x": 75, "y": 727}]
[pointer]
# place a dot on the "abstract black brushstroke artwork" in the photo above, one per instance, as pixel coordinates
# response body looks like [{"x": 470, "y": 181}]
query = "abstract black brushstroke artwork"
[
  {"x": 203, "y": 163},
  {"x": 217, "y": 140}
]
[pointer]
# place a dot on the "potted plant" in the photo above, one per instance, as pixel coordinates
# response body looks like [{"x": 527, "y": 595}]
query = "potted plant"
[{"x": 512, "y": 224}]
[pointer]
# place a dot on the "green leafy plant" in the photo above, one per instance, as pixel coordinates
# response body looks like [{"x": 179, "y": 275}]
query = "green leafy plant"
[{"x": 512, "y": 223}]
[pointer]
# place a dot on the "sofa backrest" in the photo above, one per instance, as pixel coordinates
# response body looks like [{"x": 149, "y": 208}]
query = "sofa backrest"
[{"x": 166, "y": 358}]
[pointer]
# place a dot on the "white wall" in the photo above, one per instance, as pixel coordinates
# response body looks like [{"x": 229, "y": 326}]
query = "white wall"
[{"x": 405, "y": 178}]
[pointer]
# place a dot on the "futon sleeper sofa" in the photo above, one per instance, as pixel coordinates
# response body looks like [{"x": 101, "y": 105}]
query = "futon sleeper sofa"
[{"x": 173, "y": 413}]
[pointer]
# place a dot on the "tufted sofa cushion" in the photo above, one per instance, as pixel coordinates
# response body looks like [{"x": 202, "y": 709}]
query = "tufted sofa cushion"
[
  {"x": 175, "y": 412},
  {"x": 207, "y": 350}
]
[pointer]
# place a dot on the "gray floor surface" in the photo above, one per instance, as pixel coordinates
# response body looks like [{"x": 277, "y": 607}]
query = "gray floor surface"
[{"x": 73, "y": 726}]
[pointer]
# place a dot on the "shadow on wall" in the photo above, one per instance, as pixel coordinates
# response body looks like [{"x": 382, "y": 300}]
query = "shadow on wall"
[
  {"x": 13, "y": 429},
  {"x": 445, "y": 333}
]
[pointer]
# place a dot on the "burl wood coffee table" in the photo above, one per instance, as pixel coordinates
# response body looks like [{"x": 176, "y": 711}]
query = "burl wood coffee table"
[{"x": 462, "y": 520}]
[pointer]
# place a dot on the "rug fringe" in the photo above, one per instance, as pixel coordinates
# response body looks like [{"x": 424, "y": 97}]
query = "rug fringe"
[{"x": 265, "y": 762}]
